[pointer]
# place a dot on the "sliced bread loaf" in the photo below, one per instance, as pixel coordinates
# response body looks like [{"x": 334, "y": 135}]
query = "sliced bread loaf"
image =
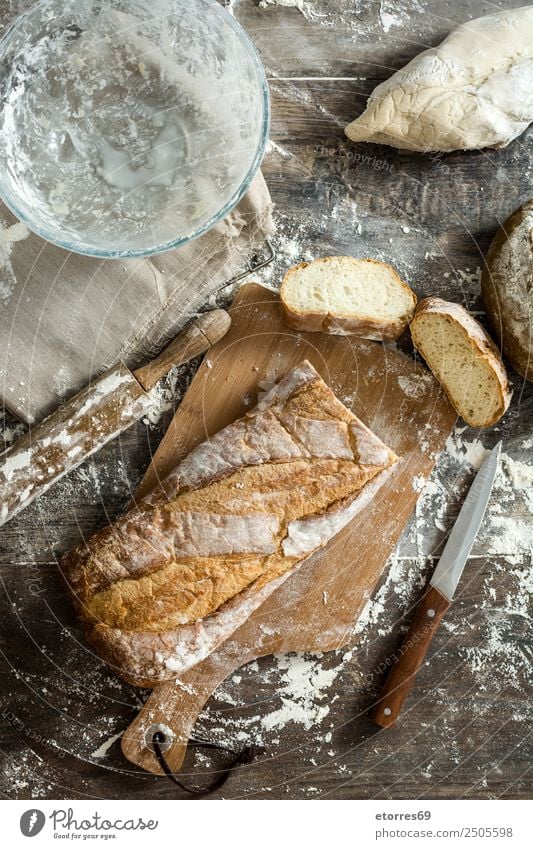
[
  {"x": 347, "y": 296},
  {"x": 464, "y": 359}
]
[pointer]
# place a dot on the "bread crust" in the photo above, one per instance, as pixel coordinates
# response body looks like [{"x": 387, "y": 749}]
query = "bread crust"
[
  {"x": 507, "y": 288},
  {"x": 481, "y": 340},
  {"x": 175, "y": 576},
  {"x": 365, "y": 327}
]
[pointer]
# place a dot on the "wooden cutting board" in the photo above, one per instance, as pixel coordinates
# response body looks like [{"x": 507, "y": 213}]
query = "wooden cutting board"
[{"x": 317, "y": 608}]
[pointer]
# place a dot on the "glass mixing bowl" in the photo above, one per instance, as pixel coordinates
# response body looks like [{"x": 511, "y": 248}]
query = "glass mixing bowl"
[{"x": 128, "y": 127}]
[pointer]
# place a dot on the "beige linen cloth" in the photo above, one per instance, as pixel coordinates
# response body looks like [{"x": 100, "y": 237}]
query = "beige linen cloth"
[{"x": 65, "y": 318}]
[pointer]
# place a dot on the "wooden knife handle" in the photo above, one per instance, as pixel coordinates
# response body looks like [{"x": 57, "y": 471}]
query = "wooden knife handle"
[
  {"x": 195, "y": 339},
  {"x": 408, "y": 659}
]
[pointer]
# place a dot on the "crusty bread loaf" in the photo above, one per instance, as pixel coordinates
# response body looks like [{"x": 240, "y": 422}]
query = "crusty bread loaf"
[
  {"x": 507, "y": 288},
  {"x": 463, "y": 357},
  {"x": 176, "y": 575},
  {"x": 347, "y": 296}
]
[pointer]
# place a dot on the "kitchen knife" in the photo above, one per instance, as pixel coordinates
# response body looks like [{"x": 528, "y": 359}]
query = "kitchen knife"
[
  {"x": 438, "y": 596},
  {"x": 79, "y": 428}
]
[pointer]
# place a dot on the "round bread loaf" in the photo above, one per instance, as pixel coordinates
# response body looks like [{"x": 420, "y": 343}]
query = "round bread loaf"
[{"x": 507, "y": 288}]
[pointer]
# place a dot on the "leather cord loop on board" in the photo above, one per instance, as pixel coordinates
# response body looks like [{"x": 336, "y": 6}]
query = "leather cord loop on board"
[{"x": 246, "y": 756}]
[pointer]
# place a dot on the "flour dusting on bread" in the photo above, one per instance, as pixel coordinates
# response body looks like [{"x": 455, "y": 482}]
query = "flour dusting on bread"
[{"x": 176, "y": 576}]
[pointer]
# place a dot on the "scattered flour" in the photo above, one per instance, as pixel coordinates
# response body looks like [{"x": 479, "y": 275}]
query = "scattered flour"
[
  {"x": 513, "y": 475},
  {"x": 469, "y": 279},
  {"x": 164, "y": 397},
  {"x": 388, "y": 18},
  {"x": 8, "y": 237},
  {"x": 273, "y": 147},
  {"x": 491, "y": 645},
  {"x": 301, "y": 5},
  {"x": 104, "y": 748},
  {"x": 299, "y": 682},
  {"x": 520, "y": 474},
  {"x": 302, "y": 682},
  {"x": 291, "y": 249},
  {"x": 305, "y": 684},
  {"x": 401, "y": 579},
  {"x": 418, "y": 483},
  {"x": 507, "y": 528},
  {"x": 415, "y": 387},
  {"x": 511, "y": 537},
  {"x": 472, "y": 453},
  {"x": 302, "y": 692},
  {"x": 497, "y": 654}
]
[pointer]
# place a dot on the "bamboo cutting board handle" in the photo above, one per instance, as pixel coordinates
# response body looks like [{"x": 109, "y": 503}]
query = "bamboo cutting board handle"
[
  {"x": 408, "y": 659},
  {"x": 196, "y": 338},
  {"x": 178, "y": 704}
]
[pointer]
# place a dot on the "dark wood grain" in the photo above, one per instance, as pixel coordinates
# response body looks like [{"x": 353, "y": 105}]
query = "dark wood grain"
[
  {"x": 464, "y": 730},
  {"x": 408, "y": 659}
]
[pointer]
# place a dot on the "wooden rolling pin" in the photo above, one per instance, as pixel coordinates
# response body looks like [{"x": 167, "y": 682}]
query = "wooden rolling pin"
[{"x": 79, "y": 428}]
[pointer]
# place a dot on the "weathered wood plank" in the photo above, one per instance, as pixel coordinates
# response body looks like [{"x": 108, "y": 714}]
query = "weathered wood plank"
[
  {"x": 459, "y": 721},
  {"x": 357, "y": 38}
]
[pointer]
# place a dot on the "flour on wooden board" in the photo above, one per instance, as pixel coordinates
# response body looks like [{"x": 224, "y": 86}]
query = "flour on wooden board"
[
  {"x": 390, "y": 14},
  {"x": 305, "y": 680},
  {"x": 302, "y": 691},
  {"x": 397, "y": 13},
  {"x": 504, "y": 532},
  {"x": 388, "y": 17},
  {"x": 9, "y": 235},
  {"x": 301, "y": 696},
  {"x": 103, "y": 749},
  {"x": 164, "y": 396},
  {"x": 301, "y": 5},
  {"x": 497, "y": 657},
  {"x": 330, "y": 228}
]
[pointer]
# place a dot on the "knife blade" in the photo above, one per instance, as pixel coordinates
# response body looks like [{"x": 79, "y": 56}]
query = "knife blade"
[
  {"x": 438, "y": 596},
  {"x": 100, "y": 412}
]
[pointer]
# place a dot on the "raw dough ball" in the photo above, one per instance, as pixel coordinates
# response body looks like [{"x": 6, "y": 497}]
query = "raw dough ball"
[{"x": 474, "y": 90}]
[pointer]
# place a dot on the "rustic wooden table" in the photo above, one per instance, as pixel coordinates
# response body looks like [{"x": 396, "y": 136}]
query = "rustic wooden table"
[{"x": 464, "y": 731}]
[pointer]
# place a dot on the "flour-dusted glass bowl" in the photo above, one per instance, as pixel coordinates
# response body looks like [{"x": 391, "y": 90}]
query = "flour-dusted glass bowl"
[{"x": 128, "y": 127}]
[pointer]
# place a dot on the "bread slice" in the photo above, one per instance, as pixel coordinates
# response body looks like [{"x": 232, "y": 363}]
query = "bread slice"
[
  {"x": 464, "y": 359},
  {"x": 347, "y": 296}
]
